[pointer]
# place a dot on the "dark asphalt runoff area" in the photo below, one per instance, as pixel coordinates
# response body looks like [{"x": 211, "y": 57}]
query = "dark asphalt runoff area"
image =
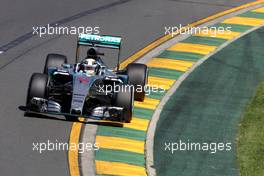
[{"x": 138, "y": 22}]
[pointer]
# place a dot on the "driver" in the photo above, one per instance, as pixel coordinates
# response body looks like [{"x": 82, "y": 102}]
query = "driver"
[{"x": 88, "y": 66}]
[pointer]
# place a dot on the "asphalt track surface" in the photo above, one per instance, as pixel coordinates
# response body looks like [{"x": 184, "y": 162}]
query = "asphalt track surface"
[{"x": 139, "y": 22}]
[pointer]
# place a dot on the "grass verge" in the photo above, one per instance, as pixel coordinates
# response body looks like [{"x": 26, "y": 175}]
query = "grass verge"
[{"x": 250, "y": 142}]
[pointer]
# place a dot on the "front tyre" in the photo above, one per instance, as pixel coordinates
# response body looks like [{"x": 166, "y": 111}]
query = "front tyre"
[
  {"x": 37, "y": 86},
  {"x": 137, "y": 76},
  {"x": 54, "y": 60},
  {"x": 125, "y": 98}
]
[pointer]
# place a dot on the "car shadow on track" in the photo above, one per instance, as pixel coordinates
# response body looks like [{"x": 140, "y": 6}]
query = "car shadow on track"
[{"x": 106, "y": 123}]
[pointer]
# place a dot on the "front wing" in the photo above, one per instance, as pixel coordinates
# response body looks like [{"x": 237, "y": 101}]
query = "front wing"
[{"x": 43, "y": 106}]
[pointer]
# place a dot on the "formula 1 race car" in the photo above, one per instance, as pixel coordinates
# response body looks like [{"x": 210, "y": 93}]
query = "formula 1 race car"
[{"x": 87, "y": 88}]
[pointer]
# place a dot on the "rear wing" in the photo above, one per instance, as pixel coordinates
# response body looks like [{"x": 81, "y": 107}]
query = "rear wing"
[{"x": 103, "y": 41}]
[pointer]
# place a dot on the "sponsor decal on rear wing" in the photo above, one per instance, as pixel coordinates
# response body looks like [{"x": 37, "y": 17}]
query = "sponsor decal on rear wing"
[{"x": 100, "y": 41}]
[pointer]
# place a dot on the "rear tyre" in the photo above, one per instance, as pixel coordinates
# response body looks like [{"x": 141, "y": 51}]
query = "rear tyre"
[
  {"x": 125, "y": 98},
  {"x": 137, "y": 76},
  {"x": 37, "y": 86},
  {"x": 54, "y": 60}
]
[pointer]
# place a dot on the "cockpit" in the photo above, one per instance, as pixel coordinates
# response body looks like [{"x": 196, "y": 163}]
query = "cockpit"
[{"x": 88, "y": 66}]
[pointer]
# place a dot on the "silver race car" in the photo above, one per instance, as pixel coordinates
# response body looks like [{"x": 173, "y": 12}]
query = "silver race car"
[{"x": 87, "y": 88}]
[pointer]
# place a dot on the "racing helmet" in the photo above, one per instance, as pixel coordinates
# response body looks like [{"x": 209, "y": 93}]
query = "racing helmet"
[
  {"x": 89, "y": 65},
  {"x": 92, "y": 53}
]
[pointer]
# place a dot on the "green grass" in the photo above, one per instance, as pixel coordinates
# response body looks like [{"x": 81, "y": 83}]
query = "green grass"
[{"x": 251, "y": 137}]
